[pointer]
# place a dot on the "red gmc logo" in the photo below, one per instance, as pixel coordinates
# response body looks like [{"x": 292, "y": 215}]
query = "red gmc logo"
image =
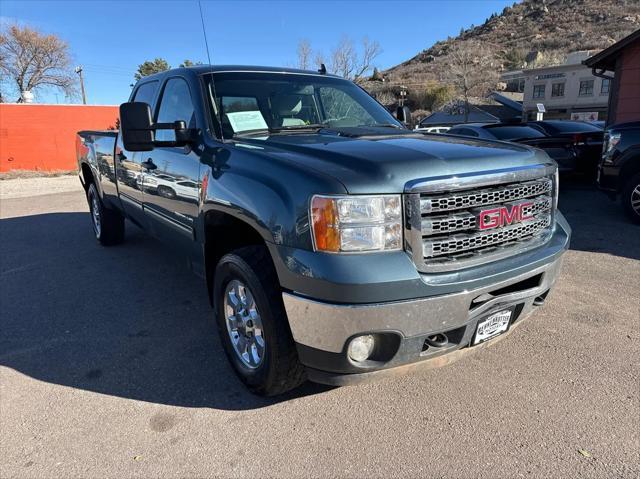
[{"x": 504, "y": 216}]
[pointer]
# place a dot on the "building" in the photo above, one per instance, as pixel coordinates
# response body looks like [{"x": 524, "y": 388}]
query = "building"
[
  {"x": 497, "y": 107},
  {"x": 567, "y": 91},
  {"x": 622, "y": 59}
]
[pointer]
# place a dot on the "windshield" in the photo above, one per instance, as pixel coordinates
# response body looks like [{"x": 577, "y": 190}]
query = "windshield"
[
  {"x": 515, "y": 132},
  {"x": 252, "y": 102}
]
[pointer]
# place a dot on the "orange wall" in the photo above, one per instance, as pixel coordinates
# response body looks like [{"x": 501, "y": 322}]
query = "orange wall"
[{"x": 42, "y": 137}]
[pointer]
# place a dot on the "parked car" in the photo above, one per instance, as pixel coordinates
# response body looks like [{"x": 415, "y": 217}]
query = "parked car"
[
  {"x": 433, "y": 129},
  {"x": 619, "y": 170},
  {"x": 586, "y": 138},
  {"x": 336, "y": 244},
  {"x": 168, "y": 186},
  {"x": 560, "y": 149}
]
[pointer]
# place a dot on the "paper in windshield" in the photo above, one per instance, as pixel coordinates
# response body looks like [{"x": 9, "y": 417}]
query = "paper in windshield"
[{"x": 247, "y": 120}]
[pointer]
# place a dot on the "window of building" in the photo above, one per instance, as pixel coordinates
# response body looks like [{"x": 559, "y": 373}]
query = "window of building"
[
  {"x": 538, "y": 91},
  {"x": 557, "y": 89},
  {"x": 606, "y": 84},
  {"x": 586, "y": 88}
]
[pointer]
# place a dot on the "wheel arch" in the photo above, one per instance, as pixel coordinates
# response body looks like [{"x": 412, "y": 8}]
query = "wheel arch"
[
  {"x": 630, "y": 168},
  {"x": 224, "y": 233}
]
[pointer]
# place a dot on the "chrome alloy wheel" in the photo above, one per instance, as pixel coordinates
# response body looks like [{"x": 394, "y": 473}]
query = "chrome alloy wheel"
[
  {"x": 244, "y": 324},
  {"x": 635, "y": 199},
  {"x": 95, "y": 216}
]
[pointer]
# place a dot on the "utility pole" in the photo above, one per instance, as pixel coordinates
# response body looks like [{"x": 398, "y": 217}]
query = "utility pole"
[{"x": 84, "y": 96}]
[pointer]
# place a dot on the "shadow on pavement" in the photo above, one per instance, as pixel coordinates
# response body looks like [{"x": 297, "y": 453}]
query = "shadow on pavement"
[
  {"x": 129, "y": 321},
  {"x": 599, "y": 224},
  {"x": 132, "y": 321}
]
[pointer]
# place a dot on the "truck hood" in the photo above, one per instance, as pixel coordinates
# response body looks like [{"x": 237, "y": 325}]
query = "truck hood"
[{"x": 387, "y": 163}]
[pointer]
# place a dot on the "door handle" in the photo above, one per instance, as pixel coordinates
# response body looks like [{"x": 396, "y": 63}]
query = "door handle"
[{"x": 148, "y": 164}]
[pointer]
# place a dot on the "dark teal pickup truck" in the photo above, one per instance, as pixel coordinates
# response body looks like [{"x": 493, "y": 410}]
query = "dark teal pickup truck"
[{"x": 337, "y": 245}]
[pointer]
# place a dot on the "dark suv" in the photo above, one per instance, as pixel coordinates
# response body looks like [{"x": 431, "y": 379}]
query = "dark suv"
[{"x": 619, "y": 169}]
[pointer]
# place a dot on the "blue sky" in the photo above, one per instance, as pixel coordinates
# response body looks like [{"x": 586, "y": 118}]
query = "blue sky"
[{"x": 111, "y": 38}]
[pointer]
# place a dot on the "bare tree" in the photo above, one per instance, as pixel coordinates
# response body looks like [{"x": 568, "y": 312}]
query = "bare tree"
[
  {"x": 304, "y": 54},
  {"x": 470, "y": 72},
  {"x": 370, "y": 51},
  {"x": 31, "y": 60},
  {"x": 345, "y": 60},
  {"x": 319, "y": 59}
]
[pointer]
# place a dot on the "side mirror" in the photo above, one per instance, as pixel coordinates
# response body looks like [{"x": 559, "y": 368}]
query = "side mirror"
[
  {"x": 136, "y": 126},
  {"x": 403, "y": 114},
  {"x": 139, "y": 131}
]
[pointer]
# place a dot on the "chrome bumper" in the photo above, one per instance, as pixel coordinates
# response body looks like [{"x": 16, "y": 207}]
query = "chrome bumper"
[{"x": 327, "y": 327}]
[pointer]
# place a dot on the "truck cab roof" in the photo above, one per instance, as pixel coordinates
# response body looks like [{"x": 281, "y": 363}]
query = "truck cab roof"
[{"x": 204, "y": 69}]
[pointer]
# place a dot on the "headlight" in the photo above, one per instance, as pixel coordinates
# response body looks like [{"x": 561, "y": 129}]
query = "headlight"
[
  {"x": 356, "y": 223},
  {"x": 610, "y": 142}
]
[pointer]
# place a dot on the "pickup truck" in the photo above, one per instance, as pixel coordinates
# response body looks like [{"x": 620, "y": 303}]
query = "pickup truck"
[
  {"x": 619, "y": 169},
  {"x": 336, "y": 245}
]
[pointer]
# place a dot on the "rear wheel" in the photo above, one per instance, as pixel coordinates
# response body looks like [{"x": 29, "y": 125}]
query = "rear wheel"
[
  {"x": 631, "y": 198},
  {"x": 253, "y": 324},
  {"x": 166, "y": 191},
  {"x": 108, "y": 225}
]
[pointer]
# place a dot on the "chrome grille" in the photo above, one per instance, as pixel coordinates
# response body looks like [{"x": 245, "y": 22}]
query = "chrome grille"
[
  {"x": 470, "y": 225},
  {"x": 465, "y": 242},
  {"x": 485, "y": 196}
]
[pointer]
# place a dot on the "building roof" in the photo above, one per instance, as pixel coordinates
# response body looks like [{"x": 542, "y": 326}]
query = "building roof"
[{"x": 606, "y": 59}]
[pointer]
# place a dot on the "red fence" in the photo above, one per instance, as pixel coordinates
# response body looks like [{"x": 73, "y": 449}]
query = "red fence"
[{"x": 42, "y": 137}]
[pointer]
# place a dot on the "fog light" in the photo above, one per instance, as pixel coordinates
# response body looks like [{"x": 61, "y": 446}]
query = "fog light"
[{"x": 360, "y": 348}]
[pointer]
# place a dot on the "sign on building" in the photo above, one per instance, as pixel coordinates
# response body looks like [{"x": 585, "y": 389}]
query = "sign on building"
[{"x": 584, "y": 116}]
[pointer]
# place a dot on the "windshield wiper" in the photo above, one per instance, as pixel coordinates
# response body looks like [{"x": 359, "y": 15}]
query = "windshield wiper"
[
  {"x": 259, "y": 131},
  {"x": 311, "y": 126}
]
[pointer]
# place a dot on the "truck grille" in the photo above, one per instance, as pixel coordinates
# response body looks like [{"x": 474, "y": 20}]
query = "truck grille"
[{"x": 453, "y": 229}]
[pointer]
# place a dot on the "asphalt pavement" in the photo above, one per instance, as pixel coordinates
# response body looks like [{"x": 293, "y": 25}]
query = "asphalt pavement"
[{"x": 110, "y": 366}]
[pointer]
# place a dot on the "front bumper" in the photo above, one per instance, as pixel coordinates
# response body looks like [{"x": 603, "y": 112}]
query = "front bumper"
[{"x": 322, "y": 330}]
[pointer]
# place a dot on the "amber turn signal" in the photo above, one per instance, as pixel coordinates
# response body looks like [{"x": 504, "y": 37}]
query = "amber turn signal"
[{"x": 325, "y": 224}]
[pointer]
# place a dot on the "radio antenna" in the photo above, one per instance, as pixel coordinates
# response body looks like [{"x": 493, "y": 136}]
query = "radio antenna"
[
  {"x": 213, "y": 84},
  {"x": 204, "y": 32}
]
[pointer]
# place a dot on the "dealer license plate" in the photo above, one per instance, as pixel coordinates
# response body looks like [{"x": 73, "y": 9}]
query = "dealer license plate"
[{"x": 492, "y": 326}]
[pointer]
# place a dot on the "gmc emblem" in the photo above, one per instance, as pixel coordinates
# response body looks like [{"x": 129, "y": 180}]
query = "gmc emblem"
[{"x": 503, "y": 216}]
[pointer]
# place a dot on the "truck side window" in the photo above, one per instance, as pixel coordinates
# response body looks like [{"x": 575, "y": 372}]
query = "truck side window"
[
  {"x": 146, "y": 93},
  {"x": 175, "y": 105}
]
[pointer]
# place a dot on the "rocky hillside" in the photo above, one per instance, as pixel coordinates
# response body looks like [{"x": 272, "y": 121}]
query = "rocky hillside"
[{"x": 528, "y": 34}]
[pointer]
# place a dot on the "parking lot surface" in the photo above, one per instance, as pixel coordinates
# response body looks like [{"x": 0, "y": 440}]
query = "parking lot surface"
[{"x": 110, "y": 366}]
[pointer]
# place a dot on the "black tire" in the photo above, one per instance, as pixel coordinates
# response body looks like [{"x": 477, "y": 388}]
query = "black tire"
[
  {"x": 166, "y": 192},
  {"x": 630, "y": 197},
  {"x": 108, "y": 226},
  {"x": 280, "y": 369}
]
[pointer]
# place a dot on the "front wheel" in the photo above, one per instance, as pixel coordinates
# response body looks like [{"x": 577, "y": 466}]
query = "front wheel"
[
  {"x": 631, "y": 198},
  {"x": 253, "y": 324}
]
